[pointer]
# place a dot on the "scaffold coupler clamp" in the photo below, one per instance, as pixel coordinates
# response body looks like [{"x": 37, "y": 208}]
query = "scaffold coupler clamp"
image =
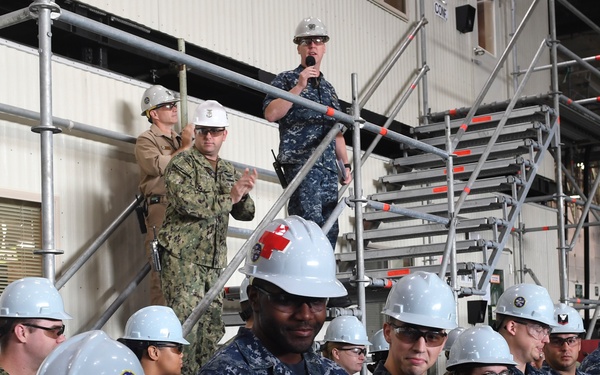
[{"x": 34, "y": 8}]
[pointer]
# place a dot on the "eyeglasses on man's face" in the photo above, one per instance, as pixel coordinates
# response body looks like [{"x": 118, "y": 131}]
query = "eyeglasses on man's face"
[
  {"x": 215, "y": 132},
  {"x": 410, "y": 335},
  {"x": 168, "y": 106},
  {"x": 559, "y": 341},
  {"x": 52, "y": 332},
  {"x": 172, "y": 345},
  {"x": 503, "y": 372},
  {"x": 309, "y": 41},
  {"x": 356, "y": 351},
  {"x": 289, "y": 303},
  {"x": 535, "y": 330}
]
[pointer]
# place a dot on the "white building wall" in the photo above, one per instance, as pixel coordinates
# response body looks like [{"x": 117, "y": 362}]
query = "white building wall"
[{"x": 363, "y": 37}]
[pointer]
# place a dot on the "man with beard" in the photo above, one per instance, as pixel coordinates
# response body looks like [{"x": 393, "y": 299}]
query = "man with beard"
[
  {"x": 524, "y": 317},
  {"x": 565, "y": 342},
  {"x": 292, "y": 275}
]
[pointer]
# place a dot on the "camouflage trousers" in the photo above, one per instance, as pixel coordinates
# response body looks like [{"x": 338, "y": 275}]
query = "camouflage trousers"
[
  {"x": 316, "y": 197},
  {"x": 184, "y": 285}
]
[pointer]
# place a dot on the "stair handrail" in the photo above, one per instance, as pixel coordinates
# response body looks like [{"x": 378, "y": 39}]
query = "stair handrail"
[{"x": 488, "y": 83}]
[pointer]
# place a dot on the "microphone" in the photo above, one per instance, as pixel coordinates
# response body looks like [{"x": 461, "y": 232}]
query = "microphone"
[{"x": 310, "y": 61}]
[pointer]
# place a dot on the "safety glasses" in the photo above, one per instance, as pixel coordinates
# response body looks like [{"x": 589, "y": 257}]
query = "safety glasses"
[
  {"x": 52, "y": 332},
  {"x": 309, "y": 41},
  {"x": 289, "y": 303},
  {"x": 559, "y": 341},
  {"x": 356, "y": 351},
  {"x": 212, "y": 131},
  {"x": 173, "y": 345},
  {"x": 503, "y": 372},
  {"x": 410, "y": 335},
  {"x": 168, "y": 106},
  {"x": 535, "y": 330}
]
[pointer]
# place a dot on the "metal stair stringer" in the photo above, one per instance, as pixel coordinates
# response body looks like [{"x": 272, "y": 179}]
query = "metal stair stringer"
[{"x": 515, "y": 209}]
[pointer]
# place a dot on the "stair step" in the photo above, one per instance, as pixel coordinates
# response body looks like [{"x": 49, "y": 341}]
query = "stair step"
[
  {"x": 520, "y": 130},
  {"x": 423, "y": 230},
  {"x": 498, "y": 167},
  {"x": 462, "y": 268},
  {"x": 528, "y": 114},
  {"x": 487, "y": 185},
  {"x": 433, "y": 249},
  {"x": 466, "y": 155},
  {"x": 440, "y": 209}
]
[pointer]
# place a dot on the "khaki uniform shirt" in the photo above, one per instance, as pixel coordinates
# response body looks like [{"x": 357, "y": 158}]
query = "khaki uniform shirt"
[{"x": 153, "y": 152}]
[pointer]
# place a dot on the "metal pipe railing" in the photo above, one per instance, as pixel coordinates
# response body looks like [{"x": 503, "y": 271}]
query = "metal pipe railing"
[
  {"x": 111, "y": 135},
  {"x": 15, "y": 18},
  {"x": 391, "y": 62},
  {"x": 406, "y": 212},
  {"x": 581, "y": 62},
  {"x": 488, "y": 83},
  {"x": 215, "y": 70},
  {"x": 578, "y": 190},
  {"x": 564, "y": 64},
  {"x": 340, "y": 206},
  {"x": 588, "y": 100},
  {"x": 122, "y": 297},
  {"x": 497, "y": 130},
  {"x": 358, "y": 193},
  {"x": 99, "y": 241},
  {"x": 562, "y": 260},
  {"x": 43, "y": 10}
]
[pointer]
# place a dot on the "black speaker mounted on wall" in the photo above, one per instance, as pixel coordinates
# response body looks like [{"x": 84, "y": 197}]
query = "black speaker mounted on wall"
[
  {"x": 476, "y": 311},
  {"x": 465, "y": 18}
]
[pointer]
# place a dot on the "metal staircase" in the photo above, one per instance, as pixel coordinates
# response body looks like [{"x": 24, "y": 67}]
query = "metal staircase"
[{"x": 420, "y": 183}]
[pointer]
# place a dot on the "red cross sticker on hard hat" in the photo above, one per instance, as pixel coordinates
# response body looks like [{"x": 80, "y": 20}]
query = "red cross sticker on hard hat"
[{"x": 269, "y": 242}]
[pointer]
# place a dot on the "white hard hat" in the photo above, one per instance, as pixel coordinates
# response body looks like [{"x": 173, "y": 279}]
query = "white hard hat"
[
  {"x": 155, "y": 96},
  {"x": 480, "y": 345},
  {"x": 347, "y": 329},
  {"x": 295, "y": 255},
  {"x": 243, "y": 290},
  {"x": 310, "y": 27},
  {"x": 211, "y": 114},
  {"x": 32, "y": 297},
  {"x": 452, "y": 336},
  {"x": 422, "y": 299},
  {"x": 379, "y": 343},
  {"x": 527, "y": 301},
  {"x": 154, "y": 323},
  {"x": 568, "y": 319},
  {"x": 91, "y": 353}
]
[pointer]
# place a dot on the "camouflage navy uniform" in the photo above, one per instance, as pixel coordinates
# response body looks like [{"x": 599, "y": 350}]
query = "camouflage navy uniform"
[
  {"x": 550, "y": 371},
  {"x": 2, "y": 372},
  {"x": 591, "y": 363},
  {"x": 247, "y": 355},
  {"x": 300, "y": 132},
  {"x": 194, "y": 236},
  {"x": 153, "y": 152}
]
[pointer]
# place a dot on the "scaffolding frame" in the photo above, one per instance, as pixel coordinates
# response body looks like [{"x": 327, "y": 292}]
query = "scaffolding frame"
[{"x": 46, "y": 10}]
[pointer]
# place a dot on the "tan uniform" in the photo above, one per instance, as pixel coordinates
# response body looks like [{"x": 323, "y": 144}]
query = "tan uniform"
[{"x": 153, "y": 151}]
